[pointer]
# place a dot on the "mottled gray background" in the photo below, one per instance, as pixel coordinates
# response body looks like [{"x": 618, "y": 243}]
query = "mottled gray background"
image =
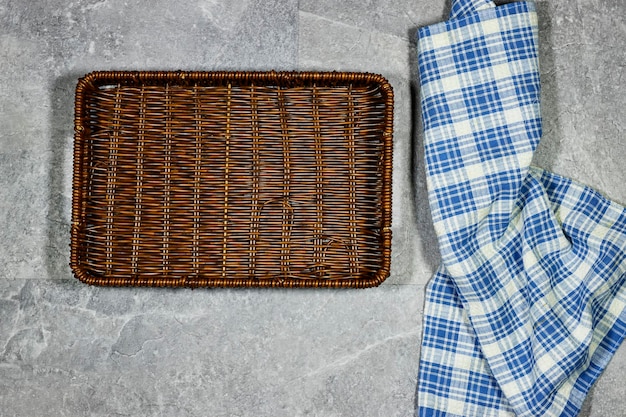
[{"x": 70, "y": 349}]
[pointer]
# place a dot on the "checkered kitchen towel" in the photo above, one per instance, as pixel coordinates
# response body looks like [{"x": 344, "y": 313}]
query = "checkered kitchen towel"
[{"x": 529, "y": 303}]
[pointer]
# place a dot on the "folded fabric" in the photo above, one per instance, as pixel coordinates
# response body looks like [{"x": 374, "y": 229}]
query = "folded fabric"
[{"x": 529, "y": 303}]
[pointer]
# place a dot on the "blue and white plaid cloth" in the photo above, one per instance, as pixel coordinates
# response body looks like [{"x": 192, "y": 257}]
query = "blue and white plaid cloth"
[{"x": 529, "y": 303}]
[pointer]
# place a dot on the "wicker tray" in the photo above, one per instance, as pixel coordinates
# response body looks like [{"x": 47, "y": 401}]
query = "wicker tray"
[{"x": 232, "y": 179}]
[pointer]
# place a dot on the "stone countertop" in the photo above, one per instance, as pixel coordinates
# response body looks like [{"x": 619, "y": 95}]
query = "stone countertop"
[{"x": 70, "y": 349}]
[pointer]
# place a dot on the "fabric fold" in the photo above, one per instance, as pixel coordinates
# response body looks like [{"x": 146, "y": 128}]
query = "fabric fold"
[{"x": 530, "y": 301}]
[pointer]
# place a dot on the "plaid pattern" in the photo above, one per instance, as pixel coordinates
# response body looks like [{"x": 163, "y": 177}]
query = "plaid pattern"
[{"x": 530, "y": 302}]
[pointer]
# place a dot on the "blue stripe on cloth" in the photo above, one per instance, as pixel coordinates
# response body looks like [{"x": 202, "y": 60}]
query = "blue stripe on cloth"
[
  {"x": 462, "y": 7},
  {"x": 530, "y": 302}
]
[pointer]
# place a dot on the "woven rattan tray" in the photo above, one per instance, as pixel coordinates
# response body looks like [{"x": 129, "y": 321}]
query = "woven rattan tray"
[{"x": 232, "y": 179}]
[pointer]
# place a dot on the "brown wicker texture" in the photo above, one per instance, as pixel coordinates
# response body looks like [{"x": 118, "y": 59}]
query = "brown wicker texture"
[{"x": 232, "y": 179}]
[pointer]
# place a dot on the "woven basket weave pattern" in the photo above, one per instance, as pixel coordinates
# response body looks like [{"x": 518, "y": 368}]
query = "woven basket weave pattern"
[{"x": 232, "y": 179}]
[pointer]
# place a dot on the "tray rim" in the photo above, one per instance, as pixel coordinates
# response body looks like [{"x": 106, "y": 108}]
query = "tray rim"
[{"x": 93, "y": 80}]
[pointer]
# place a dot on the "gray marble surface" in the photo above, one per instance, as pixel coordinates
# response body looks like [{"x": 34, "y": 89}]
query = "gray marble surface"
[{"x": 70, "y": 349}]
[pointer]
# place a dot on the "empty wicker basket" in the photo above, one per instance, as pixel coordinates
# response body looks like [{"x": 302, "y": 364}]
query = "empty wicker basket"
[{"x": 232, "y": 179}]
